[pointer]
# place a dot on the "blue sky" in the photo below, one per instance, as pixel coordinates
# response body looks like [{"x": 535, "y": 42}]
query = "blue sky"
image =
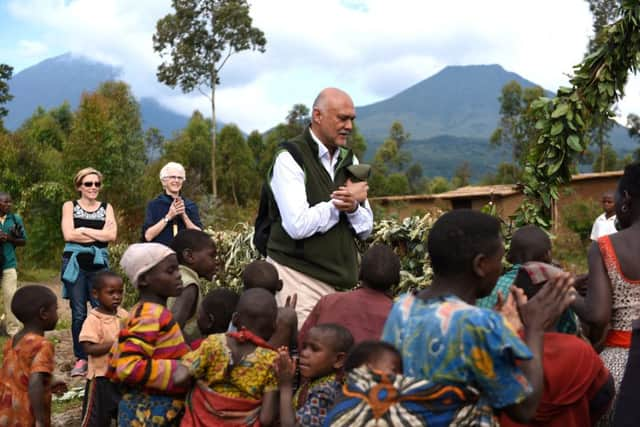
[{"x": 371, "y": 48}]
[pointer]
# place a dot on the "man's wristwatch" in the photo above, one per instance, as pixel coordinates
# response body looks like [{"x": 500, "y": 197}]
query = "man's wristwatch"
[{"x": 165, "y": 219}]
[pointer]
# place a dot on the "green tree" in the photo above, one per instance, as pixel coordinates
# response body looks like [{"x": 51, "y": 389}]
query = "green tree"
[
  {"x": 198, "y": 39},
  {"x": 107, "y": 134},
  {"x": 600, "y": 127},
  {"x": 604, "y": 13},
  {"x": 5, "y": 75},
  {"x": 391, "y": 158},
  {"x": 439, "y": 184},
  {"x": 462, "y": 175},
  {"x": 298, "y": 118},
  {"x": 417, "y": 182},
  {"x": 633, "y": 125},
  {"x": 504, "y": 175},
  {"x": 517, "y": 121},
  {"x": 153, "y": 142},
  {"x": 32, "y": 174},
  {"x": 239, "y": 181},
  {"x": 47, "y": 128},
  {"x": 357, "y": 143},
  {"x": 256, "y": 144},
  {"x": 607, "y": 160}
]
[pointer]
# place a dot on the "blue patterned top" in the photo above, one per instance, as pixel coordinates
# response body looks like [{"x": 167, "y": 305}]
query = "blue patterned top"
[{"x": 448, "y": 341}]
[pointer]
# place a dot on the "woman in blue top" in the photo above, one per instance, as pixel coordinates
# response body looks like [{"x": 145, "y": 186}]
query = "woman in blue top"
[
  {"x": 170, "y": 213},
  {"x": 88, "y": 226},
  {"x": 472, "y": 355}
]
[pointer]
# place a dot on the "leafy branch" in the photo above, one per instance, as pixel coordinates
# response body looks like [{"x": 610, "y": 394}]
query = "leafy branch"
[{"x": 563, "y": 121}]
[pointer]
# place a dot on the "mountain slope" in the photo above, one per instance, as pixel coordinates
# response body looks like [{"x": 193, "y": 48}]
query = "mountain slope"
[
  {"x": 64, "y": 78},
  {"x": 450, "y": 117},
  {"x": 457, "y": 101}
]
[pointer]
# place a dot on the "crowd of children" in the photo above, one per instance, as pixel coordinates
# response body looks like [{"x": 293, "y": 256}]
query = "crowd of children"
[{"x": 479, "y": 347}]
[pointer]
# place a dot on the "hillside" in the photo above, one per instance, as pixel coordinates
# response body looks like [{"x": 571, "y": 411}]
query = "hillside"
[
  {"x": 450, "y": 117},
  {"x": 64, "y": 78}
]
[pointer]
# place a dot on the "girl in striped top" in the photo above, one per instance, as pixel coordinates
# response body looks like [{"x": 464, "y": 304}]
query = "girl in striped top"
[{"x": 150, "y": 345}]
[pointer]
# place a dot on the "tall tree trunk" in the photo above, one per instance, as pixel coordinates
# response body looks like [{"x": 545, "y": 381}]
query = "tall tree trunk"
[
  {"x": 214, "y": 80},
  {"x": 214, "y": 183},
  {"x": 601, "y": 156},
  {"x": 233, "y": 192}
]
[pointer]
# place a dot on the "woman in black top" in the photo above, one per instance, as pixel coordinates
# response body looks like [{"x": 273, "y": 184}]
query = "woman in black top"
[{"x": 88, "y": 226}]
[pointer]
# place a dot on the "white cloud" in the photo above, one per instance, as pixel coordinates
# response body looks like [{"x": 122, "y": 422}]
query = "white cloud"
[
  {"x": 31, "y": 48},
  {"x": 373, "y": 49}
]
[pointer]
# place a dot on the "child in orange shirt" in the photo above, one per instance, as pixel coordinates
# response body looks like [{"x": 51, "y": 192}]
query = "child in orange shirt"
[
  {"x": 27, "y": 367},
  {"x": 99, "y": 332}
]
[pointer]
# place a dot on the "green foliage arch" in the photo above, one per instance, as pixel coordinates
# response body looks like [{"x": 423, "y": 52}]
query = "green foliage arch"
[{"x": 563, "y": 122}]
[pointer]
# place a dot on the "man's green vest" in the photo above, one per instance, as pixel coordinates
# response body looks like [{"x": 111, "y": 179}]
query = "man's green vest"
[{"x": 331, "y": 257}]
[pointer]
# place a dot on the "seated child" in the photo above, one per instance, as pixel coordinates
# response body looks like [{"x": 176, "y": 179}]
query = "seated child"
[
  {"x": 445, "y": 339},
  {"x": 99, "y": 332},
  {"x": 216, "y": 311},
  {"x": 375, "y": 393},
  {"x": 262, "y": 274},
  {"x": 27, "y": 367},
  {"x": 150, "y": 344},
  {"x": 196, "y": 253},
  {"x": 362, "y": 311},
  {"x": 528, "y": 244},
  {"x": 578, "y": 388},
  {"x": 236, "y": 382},
  {"x": 321, "y": 361}
]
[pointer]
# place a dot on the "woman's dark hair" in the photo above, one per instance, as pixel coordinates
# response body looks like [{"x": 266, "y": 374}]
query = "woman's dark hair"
[
  {"x": 630, "y": 180},
  {"x": 380, "y": 268},
  {"x": 29, "y": 300},
  {"x": 458, "y": 236},
  {"x": 529, "y": 243}
]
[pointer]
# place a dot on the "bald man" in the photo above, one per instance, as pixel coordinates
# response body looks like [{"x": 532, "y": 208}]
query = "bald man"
[{"x": 321, "y": 211}]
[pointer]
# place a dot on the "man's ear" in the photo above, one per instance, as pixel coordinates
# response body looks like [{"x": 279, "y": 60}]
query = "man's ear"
[
  {"x": 316, "y": 115},
  {"x": 142, "y": 280},
  {"x": 478, "y": 265},
  {"x": 339, "y": 362},
  {"x": 187, "y": 255}
]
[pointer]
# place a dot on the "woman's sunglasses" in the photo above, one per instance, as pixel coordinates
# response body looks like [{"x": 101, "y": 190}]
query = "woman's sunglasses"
[{"x": 90, "y": 184}]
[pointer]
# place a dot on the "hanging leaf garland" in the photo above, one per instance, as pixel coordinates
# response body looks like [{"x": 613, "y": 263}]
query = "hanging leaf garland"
[{"x": 563, "y": 122}]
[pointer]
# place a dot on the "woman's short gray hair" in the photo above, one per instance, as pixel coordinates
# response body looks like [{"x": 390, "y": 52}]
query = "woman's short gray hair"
[{"x": 164, "y": 172}]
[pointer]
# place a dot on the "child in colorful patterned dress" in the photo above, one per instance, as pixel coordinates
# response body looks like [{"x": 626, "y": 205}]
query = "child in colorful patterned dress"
[
  {"x": 150, "y": 345},
  {"x": 27, "y": 367},
  {"x": 236, "y": 381},
  {"x": 99, "y": 331},
  {"x": 321, "y": 361}
]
